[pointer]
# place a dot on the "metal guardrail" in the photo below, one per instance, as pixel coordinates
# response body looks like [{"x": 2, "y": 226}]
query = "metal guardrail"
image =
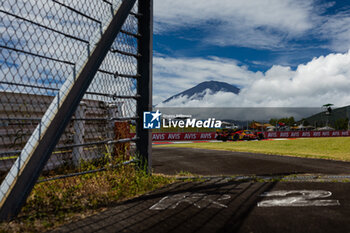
[{"x": 74, "y": 76}]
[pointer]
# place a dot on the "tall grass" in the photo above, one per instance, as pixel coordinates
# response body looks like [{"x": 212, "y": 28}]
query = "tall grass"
[{"x": 56, "y": 202}]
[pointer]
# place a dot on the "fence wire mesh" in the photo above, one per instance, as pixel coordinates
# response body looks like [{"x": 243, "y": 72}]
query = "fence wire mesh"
[{"x": 43, "y": 45}]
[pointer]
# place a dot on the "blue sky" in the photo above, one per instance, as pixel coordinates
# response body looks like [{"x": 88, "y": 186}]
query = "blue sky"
[
  {"x": 255, "y": 41},
  {"x": 281, "y": 53}
]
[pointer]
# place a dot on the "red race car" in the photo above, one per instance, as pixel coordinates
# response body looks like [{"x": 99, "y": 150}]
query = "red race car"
[{"x": 225, "y": 134}]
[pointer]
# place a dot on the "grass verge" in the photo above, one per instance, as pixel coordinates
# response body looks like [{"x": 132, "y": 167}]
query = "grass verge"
[
  {"x": 323, "y": 148},
  {"x": 57, "y": 202}
]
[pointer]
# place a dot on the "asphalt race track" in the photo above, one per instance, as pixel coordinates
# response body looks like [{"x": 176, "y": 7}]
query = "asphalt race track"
[
  {"x": 222, "y": 204},
  {"x": 170, "y": 160}
]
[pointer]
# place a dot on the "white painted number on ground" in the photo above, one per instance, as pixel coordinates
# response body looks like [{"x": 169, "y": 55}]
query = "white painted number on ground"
[
  {"x": 298, "y": 198},
  {"x": 199, "y": 200}
]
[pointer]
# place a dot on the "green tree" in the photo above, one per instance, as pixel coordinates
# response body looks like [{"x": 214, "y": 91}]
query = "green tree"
[
  {"x": 341, "y": 124},
  {"x": 273, "y": 121},
  {"x": 291, "y": 121}
]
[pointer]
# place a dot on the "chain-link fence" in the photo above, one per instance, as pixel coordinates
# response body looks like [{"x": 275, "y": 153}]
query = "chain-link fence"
[{"x": 48, "y": 50}]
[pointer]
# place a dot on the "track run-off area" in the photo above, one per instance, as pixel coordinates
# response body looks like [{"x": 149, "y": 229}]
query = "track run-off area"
[{"x": 225, "y": 191}]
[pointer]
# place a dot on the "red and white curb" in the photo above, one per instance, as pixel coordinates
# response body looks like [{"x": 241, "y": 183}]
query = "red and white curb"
[
  {"x": 198, "y": 141},
  {"x": 181, "y": 142}
]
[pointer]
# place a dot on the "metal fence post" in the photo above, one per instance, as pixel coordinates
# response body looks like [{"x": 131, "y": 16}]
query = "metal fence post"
[
  {"x": 144, "y": 84},
  {"x": 79, "y": 131}
]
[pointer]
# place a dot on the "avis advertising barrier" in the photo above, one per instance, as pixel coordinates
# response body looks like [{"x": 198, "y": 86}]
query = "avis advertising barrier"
[
  {"x": 277, "y": 134},
  {"x": 305, "y": 134},
  {"x": 182, "y": 136}
]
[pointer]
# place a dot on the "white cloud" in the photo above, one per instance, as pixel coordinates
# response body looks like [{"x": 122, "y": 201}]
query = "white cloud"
[
  {"x": 259, "y": 24},
  {"x": 263, "y": 23},
  {"x": 322, "y": 80},
  {"x": 337, "y": 29}
]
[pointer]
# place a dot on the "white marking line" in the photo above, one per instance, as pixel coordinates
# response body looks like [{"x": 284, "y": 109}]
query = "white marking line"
[
  {"x": 181, "y": 142},
  {"x": 279, "y": 139},
  {"x": 297, "y": 198},
  {"x": 199, "y": 200},
  {"x": 200, "y": 141}
]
